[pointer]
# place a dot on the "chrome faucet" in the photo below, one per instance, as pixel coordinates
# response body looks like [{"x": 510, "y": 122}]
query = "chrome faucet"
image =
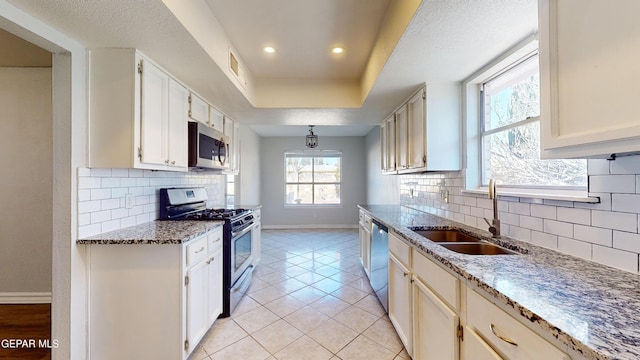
[{"x": 494, "y": 225}]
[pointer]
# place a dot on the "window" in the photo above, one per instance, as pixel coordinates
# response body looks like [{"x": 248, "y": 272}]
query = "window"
[
  {"x": 510, "y": 133},
  {"x": 231, "y": 190},
  {"x": 313, "y": 178}
]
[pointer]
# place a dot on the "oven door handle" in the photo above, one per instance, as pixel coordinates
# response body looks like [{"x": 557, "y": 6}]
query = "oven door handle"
[{"x": 244, "y": 231}]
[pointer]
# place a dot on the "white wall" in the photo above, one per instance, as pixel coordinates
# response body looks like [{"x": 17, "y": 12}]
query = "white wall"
[
  {"x": 381, "y": 189},
  {"x": 26, "y": 140},
  {"x": 274, "y": 212},
  {"x": 248, "y": 181}
]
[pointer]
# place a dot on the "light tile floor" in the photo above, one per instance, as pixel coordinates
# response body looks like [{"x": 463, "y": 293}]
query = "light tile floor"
[{"x": 309, "y": 299}]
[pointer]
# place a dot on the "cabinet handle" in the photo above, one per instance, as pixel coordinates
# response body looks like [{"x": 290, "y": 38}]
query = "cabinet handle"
[
  {"x": 201, "y": 250},
  {"x": 173, "y": 162},
  {"x": 166, "y": 161},
  {"x": 501, "y": 337},
  {"x": 405, "y": 274}
]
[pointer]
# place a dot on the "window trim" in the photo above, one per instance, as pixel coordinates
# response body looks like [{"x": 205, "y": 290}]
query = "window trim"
[
  {"x": 471, "y": 127},
  {"x": 312, "y": 154}
]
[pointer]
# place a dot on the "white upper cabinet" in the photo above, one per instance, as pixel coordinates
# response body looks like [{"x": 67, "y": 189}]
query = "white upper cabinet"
[
  {"x": 178, "y": 128},
  {"x": 198, "y": 109},
  {"x": 589, "y": 56},
  {"x": 424, "y": 133},
  {"x": 137, "y": 113},
  {"x": 216, "y": 119},
  {"x": 154, "y": 114}
]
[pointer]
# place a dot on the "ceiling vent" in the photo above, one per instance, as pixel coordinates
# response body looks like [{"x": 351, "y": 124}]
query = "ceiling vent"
[{"x": 236, "y": 70}]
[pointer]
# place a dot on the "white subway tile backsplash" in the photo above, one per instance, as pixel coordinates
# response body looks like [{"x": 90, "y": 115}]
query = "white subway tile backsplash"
[
  {"x": 119, "y": 173},
  {"x": 543, "y": 211},
  {"x": 571, "y": 227},
  {"x": 100, "y": 172},
  {"x": 598, "y": 167},
  {"x": 614, "y": 220},
  {"x": 625, "y": 165},
  {"x": 625, "y": 203},
  {"x": 100, "y": 216},
  {"x": 519, "y": 208},
  {"x": 531, "y": 223},
  {"x": 101, "y": 196},
  {"x": 616, "y": 258},
  {"x": 88, "y": 206},
  {"x": 621, "y": 184},
  {"x": 545, "y": 240},
  {"x": 558, "y": 228},
  {"x": 626, "y": 241},
  {"x": 575, "y": 247},
  {"x": 593, "y": 235},
  {"x": 572, "y": 215},
  {"x": 110, "y": 182}
]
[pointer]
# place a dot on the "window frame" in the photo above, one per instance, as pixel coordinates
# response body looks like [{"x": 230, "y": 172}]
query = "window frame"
[
  {"x": 312, "y": 154},
  {"x": 471, "y": 133},
  {"x": 483, "y": 133}
]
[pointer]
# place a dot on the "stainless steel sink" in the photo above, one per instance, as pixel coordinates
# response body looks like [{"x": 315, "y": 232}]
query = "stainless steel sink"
[
  {"x": 478, "y": 248},
  {"x": 447, "y": 236},
  {"x": 460, "y": 242}
]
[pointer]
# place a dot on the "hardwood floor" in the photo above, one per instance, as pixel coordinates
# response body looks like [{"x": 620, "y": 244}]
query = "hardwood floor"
[{"x": 22, "y": 328}]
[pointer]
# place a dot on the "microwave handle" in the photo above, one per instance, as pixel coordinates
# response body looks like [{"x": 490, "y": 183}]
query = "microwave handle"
[{"x": 222, "y": 159}]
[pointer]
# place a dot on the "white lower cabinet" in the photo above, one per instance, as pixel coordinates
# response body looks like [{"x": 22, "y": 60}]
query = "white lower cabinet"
[
  {"x": 505, "y": 334},
  {"x": 161, "y": 298},
  {"x": 400, "y": 301},
  {"x": 474, "y": 347},
  {"x": 365, "y": 242},
  {"x": 435, "y": 326}
]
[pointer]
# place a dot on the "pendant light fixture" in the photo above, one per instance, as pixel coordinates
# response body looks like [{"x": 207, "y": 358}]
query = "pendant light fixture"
[{"x": 312, "y": 139}]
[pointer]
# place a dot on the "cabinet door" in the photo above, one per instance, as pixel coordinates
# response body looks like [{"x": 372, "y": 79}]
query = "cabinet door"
[
  {"x": 216, "y": 119},
  {"x": 400, "y": 301},
  {"x": 198, "y": 109},
  {"x": 256, "y": 242},
  {"x": 214, "y": 286},
  {"x": 154, "y": 89},
  {"x": 588, "y": 77},
  {"x": 391, "y": 143},
  {"x": 197, "y": 319},
  {"x": 435, "y": 326},
  {"x": 402, "y": 133},
  {"x": 178, "y": 109},
  {"x": 417, "y": 130},
  {"x": 475, "y": 348}
]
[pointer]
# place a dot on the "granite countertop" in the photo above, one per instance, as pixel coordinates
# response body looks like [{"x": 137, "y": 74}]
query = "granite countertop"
[
  {"x": 155, "y": 232},
  {"x": 592, "y": 309}
]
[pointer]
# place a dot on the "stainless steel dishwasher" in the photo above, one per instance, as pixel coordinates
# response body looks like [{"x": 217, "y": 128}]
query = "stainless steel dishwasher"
[{"x": 379, "y": 277}]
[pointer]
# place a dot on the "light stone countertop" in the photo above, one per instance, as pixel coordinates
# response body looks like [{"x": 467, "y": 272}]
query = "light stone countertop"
[
  {"x": 155, "y": 232},
  {"x": 590, "y": 309}
]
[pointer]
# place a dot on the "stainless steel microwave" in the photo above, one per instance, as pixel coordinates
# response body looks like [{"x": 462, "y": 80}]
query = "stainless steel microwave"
[{"x": 208, "y": 147}]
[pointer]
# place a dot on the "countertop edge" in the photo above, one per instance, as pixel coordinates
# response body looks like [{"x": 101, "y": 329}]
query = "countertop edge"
[{"x": 157, "y": 232}]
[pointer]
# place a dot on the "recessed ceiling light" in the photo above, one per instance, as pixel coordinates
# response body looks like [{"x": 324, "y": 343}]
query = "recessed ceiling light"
[
  {"x": 269, "y": 49},
  {"x": 337, "y": 50}
]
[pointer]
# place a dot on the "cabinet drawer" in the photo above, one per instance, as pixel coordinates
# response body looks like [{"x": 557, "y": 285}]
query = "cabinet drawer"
[
  {"x": 196, "y": 251},
  {"x": 445, "y": 285},
  {"x": 214, "y": 240},
  {"x": 400, "y": 249},
  {"x": 499, "y": 328}
]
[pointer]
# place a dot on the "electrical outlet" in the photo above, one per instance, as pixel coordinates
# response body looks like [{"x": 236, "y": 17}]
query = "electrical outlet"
[
  {"x": 128, "y": 201},
  {"x": 444, "y": 196}
]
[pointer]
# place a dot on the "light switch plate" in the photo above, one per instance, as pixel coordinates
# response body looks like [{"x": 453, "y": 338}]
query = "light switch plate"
[{"x": 128, "y": 201}]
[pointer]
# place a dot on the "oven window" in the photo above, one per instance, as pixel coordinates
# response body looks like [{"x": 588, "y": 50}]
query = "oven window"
[{"x": 242, "y": 248}]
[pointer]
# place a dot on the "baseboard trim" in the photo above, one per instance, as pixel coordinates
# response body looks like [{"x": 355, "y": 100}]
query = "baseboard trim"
[
  {"x": 310, "y": 226},
  {"x": 25, "y": 298}
]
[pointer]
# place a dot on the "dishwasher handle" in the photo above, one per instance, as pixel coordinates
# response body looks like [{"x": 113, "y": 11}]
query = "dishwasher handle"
[{"x": 381, "y": 227}]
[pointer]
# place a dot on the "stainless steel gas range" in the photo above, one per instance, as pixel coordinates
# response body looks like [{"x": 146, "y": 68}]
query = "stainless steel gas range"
[{"x": 191, "y": 204}]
